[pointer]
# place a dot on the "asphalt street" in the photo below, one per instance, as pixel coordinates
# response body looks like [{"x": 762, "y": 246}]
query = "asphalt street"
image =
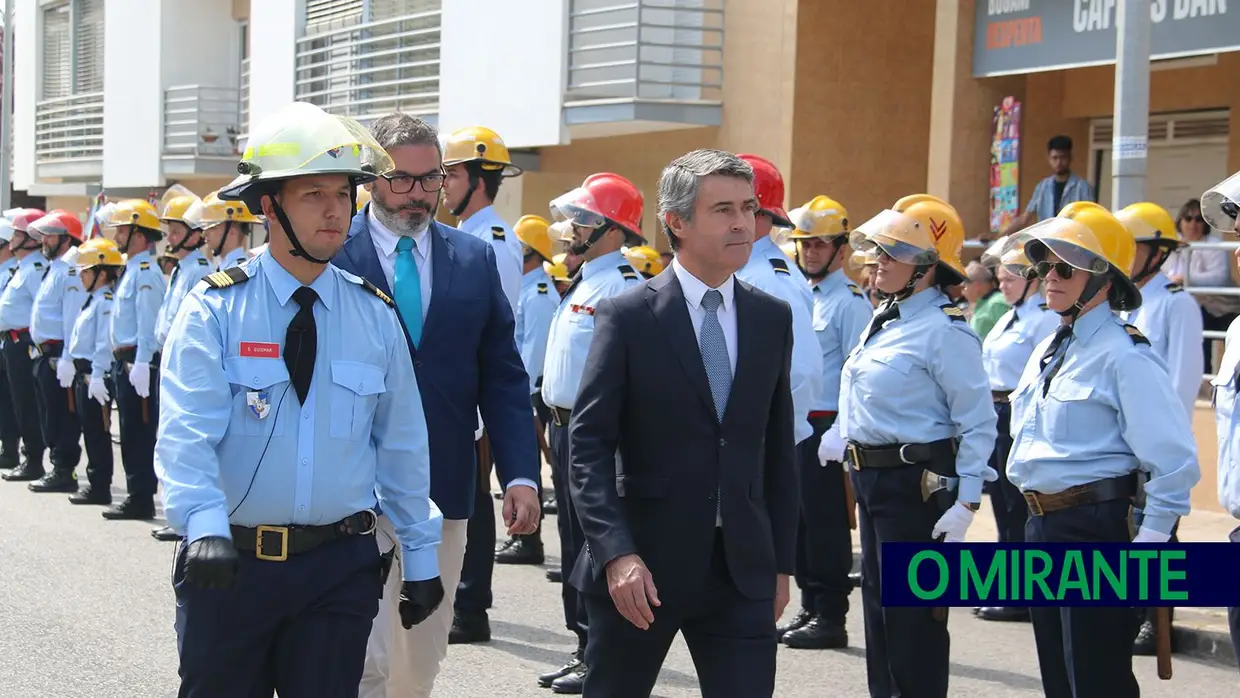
[{"x": 86, "y": 611}]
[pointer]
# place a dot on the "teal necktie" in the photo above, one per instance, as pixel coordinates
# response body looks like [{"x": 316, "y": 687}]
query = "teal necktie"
[{"x": 408, "y": 289}]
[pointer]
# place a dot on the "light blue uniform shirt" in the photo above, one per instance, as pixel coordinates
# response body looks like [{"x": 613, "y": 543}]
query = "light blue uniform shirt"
[
  {"x": 7, "y": 269},
  {"x": 57, "y": 304},
  {"x": 767, "y": 249},
  {"x": 1228, "y": 428},
  {"x": 189, "y": 271},
  {"x": 17, "y": 301},
  {"x": 805, "y": 377},
  {"x": 508, "y": 253},
  {"x": 1009, "y": 344},
  {"x": 1171, "y": 320},
  {"x": 139, "y": 294},
  {"x": 89, "y": 339},
  {"x": 919, "y": 380},
  {"x": 233, "y": 258},
  {"x": 841, "y": 313},
  {"x": 535, "y": 308},
  {"x": 1110, "y": 411},
  {"x": 226, "y": 403},
  {"x": 572, "y": 326}
]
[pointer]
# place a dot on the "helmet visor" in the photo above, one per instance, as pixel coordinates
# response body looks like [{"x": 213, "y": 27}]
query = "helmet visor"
[
  {"x": 1068, "y": 240},
  {"x": 993, "y": 256},
  {"x": 6, "y": 230},
  {"x": 562, "y": 231},
  {"x": 1220, "y": 206},
  {"x": 47, "y": 225},
  {"x": 809, "y": 223},
  {"x": 1017, "y": 263},
  {"x": 578, "y": 207},
  {"x": 902, "y": 237}
]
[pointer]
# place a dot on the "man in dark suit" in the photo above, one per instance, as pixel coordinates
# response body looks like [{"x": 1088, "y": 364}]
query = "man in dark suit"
[
  {"x": 460, "y": 327},
  {"x": 688, "y": 501}
]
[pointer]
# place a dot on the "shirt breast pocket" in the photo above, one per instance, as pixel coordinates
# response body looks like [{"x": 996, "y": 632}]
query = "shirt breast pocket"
[
  {"x": 888, "y": 371},
  {"x": 1068, "y": 402},
  {"x": 355, "y": 394},
  {"x": 257, "y": 394}
]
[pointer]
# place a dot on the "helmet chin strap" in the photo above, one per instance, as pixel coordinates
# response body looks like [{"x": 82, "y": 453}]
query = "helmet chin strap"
[
  {"x": 182, "y": 246},
  {"x": 1095, "y": 284},
  {"x": 918, "y": 272},
  {"x": 25, "y": 246},
  {"x": 1024, "y": 295},
  {"x": 1153, "y": 264},
  {"x": 595, "y": 236},
  {"x": 219, "y": 247},
  {"x": 298, "y": 250},
  {"x": 474, "y": 180}
]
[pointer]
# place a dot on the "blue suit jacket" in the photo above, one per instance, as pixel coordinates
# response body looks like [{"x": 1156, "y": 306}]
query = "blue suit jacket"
[{"x": 467, "y": 360}]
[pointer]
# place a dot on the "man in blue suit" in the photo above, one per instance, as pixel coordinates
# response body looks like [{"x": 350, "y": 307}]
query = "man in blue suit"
[{"x": 460, "y": 328}]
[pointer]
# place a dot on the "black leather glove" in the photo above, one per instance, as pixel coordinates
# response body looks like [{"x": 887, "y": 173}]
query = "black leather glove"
[
  {"x": 418, "y": 600},
  {"x": 211, "y": 563}
]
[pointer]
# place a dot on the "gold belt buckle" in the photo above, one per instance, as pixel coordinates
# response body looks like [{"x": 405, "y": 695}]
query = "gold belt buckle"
[
  {"x": 258, "y": 543},
  {"x": 1035, "y": 505},
  {"x": 855, "y": 456}
]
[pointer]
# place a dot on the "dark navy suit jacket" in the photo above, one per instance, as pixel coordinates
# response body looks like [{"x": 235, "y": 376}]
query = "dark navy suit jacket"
[{"x": 467, "y": 360}]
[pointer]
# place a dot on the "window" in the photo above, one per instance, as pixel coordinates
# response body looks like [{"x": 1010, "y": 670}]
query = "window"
[
  {"x": 57, "y": 54},
  {"x": 326, "y": 15},
  {"x": 72, "y": 48},
  {"x": 88, "y": 46}
]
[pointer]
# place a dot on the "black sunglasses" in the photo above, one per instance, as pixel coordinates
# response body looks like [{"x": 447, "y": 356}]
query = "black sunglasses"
[
  {"x": 1062, "y": 269},
  {"x": 403, "y": 183},
  {"x": 1195, "y": 219}
]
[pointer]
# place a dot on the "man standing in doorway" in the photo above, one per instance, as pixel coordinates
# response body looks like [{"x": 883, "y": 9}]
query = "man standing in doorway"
[{"x": 1061, "y": 188}]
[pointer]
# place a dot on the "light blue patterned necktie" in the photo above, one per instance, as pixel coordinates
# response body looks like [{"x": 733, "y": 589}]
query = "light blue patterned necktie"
[
  {"x": 715, "y": 352},
  {"x": 408, "y": 291}
]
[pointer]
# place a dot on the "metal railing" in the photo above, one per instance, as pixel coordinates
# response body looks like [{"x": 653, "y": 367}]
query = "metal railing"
[
  {"x": 69, "y": 129},
  {"x": 668, "y": 50},
  {"x": 373, "y": 68},
  {"x": 244, "y": 126},
  {"x": 202, "y": 121}
]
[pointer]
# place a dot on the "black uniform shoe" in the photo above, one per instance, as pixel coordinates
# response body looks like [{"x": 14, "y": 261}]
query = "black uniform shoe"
[
  {"x": 572, "y": 683},
  {"x": 549, "y": 506},
  {"x": 818, "y": 634},
  {"x": 521, "y": 550},
  {"x": 132, "y": 509},
  {"x": 57, "y": 481},
  {"x": 1009, "y": 614},
  {"x": 25, "y": 472},
  {"x": 545, "y": 680},
  {"x": 555, "y": 576},
  {"x": 91, "y": 495},
  {"x": 798, "y": 621},
  {"x": 855, "y": 579},
  {"x": 164, "y": 533},
  {"x": 470, "y": 627}
]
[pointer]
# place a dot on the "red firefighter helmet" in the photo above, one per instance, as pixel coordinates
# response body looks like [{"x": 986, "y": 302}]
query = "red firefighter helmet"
[
  {"x": 24, "y": 217},
  {"x": 58, "y": 222},
  {"x": 768, "y": 186},
  {"x": 603, "y": 197}
]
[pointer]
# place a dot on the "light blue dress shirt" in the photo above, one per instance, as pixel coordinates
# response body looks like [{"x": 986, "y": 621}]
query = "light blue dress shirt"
[
  {"x": 189, "y": 271},
  {"x": 1171, "y": 320},
  {"x": 89, "y": 339},
  {"x": 508, "y": 254},
  {"x": 572, "y": 326},
  {"x": 767, "y": 249},
  {"x": 806, "y": 375},
  {"x": 841, "y": 313},
  {"x": 233, "y": 258},
  {"x": 1110, "y": 410},
  {"x": 1226, "y": 424},
  {"x": 7, "y": 269},
  {"x": 227, "y": 418},
  {"x": 1008, "y": 345},
  {"x": 57, "y": 304},
  {"x": 17, "y": 301},
  {"x": 919, "y": 380},
  {"x": 139, "y": 294},
  {"x": 535, "y": 308}
]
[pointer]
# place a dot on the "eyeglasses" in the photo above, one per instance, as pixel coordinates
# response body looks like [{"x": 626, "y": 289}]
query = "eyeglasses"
[
  {"x": 1195, "y": 219},
  {"x": 403, "y": 183},
  {"x": 1062, "y": 269}
]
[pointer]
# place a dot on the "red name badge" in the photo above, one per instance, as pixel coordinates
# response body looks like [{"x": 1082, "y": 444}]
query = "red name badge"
[{"x": 260, "y": 350}]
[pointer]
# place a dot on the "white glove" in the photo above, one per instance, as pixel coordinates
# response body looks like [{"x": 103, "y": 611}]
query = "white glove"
[
  {"x": 1145, "y": 535},
  {"x": 953, "y": 524},
  {"x": 140, "y": 379},
  {"x": 64, "y": 371},
  {"x": 831, "y": 448},
  {"x": 478, "y": 433},
  {"x": 97, "y": 390}
]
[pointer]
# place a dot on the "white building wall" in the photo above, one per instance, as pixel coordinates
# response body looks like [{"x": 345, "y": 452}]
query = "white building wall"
[
  {"x": 201, "y": 44},
  {"x": 25, "y": 90},
  {"x": 132, "y": 95},
  {"x": 273, "y": 56}
]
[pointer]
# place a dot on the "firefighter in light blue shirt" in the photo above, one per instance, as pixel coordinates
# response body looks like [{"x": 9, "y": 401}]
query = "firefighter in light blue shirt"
[
  {"x": 291, "y": 412},
  {"x": 595, "y": 220},
  {"x": 768, "y": 188},
  {"x": 226, "y": 227},
  {"x": 1093, "y": 416},
  {"x": 184, "y": 245},
  {"x": 19, "y": 350},
  {"x": 10, "y": 435},
  {"x": 915, "y": 411}
]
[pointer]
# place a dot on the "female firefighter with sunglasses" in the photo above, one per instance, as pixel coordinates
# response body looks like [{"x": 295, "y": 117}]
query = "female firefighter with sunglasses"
[
  {"x": 915, "y": 412},
  {"x": 1094, "y": 414}
]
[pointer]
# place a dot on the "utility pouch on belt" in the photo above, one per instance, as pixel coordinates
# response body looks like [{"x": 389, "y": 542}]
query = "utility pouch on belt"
[
  {"x": 941, "y": 489},
  {"x": 385, "y": 568}
]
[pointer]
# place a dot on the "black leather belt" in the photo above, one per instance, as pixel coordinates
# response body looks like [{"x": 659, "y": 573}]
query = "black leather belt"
[
  {"x": 1110, "y": 489},
  {"x": 900, "y": 455},
  {"x": 129, "y": 355},
  {"x": 52, "y": 349},
  {"x": 276, "y": 543},
  {"x": 560, "y": 416},
  {"x": 82, "y": 365}
]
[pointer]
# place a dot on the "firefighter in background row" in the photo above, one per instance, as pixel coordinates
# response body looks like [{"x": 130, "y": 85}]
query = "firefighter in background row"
[
  {"x": 56, "y": 308},
  {"x": 16, "y": 310},
  {"x": 645, "y": 259},
  {"x": 558, "y": 271},
  {"x": 1092, "y": 418},
  {"x": 10, "y": 435},
  {"x": 824, "y": 542},
  {"x": 135, "y": 372},
  {"x": 226, "y": 228},
  {"x": 99, "y": 265}
]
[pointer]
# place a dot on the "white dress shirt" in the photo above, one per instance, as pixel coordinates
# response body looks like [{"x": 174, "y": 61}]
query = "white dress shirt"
[
  {"x": 695, "y": 289},
  {"x": 385, "y": 246}
]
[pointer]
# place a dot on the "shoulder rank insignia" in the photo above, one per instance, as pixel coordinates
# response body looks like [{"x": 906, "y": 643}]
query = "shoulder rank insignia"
[
  {"x": 37, "y": 265},
  {"x": 780, "y": 266},
  {"x": 107, "y": 295},
  {"x": 627, "y": 272},
  {"x": 856, "y": 290},
  {"x": 202, "y": 262},
  {"x": 144, "y": 265},
  {"x": 72, "y": 272},
  {"x": 1175, "y": 288},
  {"x": 379, "y": 294},
  {"x": 542, "y": 287},
  {"x": 226, "y": 278},
  {"x": 1135, "y": 335},
  {"x": 953, "y": 312},
  {"x": 497, "y": 233}
]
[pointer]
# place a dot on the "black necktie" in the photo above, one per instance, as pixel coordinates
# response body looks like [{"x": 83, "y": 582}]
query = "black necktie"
[
  {"x": 887, "y": 312},
  {"x": 172, "y": 279},
  {"x": 1011, "y": 322},
  {"x": 89, "y": 298},
  {"x": 301, "y": 343},
  {"x": 1061, "y": 335}
]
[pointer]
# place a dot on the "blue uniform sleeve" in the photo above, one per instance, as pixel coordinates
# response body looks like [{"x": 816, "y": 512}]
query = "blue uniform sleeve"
[
  {"x": 403, "y": 463},
  {"x": 1185, "y": 363},
  {"x": 955, "y": 362},
  {"x": 536, "y": 312},
  {"x": 194, "y": 411},
  {"x": 101, "y": 358},
  {"x": 150, "y": 298},
  {"x": 71, "y": 304},
  {"x": 806, "y": 375}
]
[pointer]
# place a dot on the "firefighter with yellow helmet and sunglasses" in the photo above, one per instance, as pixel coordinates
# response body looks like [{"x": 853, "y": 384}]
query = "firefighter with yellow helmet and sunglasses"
[
  {"x": 1093, "y": 416},
  {"x": 916, "y": 425},
  {"x": 226, "y": 226}
]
